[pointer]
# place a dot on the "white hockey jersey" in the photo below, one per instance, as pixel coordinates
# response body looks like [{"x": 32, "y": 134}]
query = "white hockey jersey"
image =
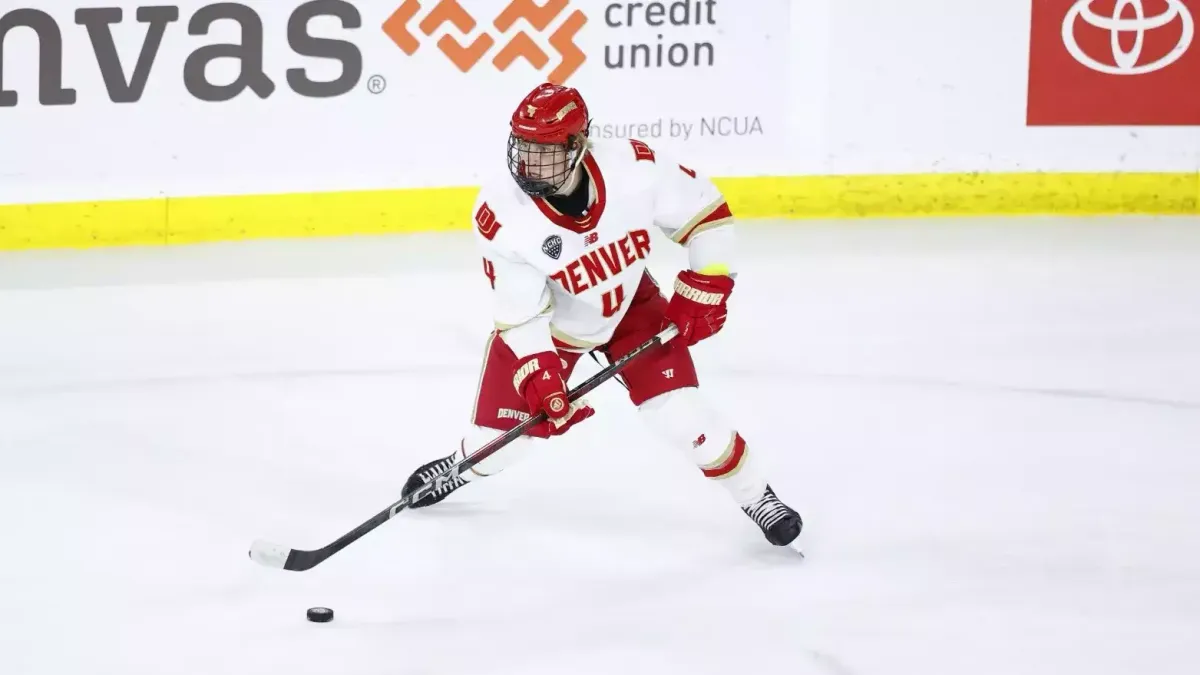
[{"x": 566, "y": 282}]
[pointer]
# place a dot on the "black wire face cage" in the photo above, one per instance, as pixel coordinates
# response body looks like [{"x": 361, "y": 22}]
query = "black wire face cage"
[{"x": 540, "y": 169}]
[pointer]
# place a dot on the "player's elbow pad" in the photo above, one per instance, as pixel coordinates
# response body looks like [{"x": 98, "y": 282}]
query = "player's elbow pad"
[
  {"x": 712, "y": 252},
  {"x": 531, "y": 337}
]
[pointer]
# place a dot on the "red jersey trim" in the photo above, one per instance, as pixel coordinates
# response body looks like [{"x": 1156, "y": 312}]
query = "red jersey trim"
[
  {"x": 711, "y": 218},
  {"x": 585, "y": 223}
]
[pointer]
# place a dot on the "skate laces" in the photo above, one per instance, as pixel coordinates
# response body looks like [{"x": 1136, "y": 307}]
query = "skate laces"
[{"x": 768, "y": 510}]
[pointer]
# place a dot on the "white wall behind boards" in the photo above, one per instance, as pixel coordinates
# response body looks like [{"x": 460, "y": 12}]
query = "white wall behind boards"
[
  {"x": 941, "y": 85},
  {"x": 799, "y": 86}
]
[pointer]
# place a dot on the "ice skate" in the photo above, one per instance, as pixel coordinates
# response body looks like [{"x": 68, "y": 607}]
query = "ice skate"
[
  {"x": 427, "y": 472},
  {"x": 779, "y": 522}
]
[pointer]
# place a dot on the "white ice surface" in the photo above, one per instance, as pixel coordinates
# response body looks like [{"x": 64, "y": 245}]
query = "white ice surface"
[{"x": 992, "y": 428}]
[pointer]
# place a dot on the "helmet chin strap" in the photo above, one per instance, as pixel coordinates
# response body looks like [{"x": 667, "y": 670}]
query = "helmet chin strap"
[{"x": 572, "y": 181}]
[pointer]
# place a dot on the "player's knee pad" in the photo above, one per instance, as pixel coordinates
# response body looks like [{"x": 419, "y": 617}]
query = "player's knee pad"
[
  {"x": 476, "y": 437},
  {"x": 685, "y": 419}
]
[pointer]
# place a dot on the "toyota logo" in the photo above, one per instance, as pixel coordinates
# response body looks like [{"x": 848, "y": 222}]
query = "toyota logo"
[{"x": 1127, "y": 61}]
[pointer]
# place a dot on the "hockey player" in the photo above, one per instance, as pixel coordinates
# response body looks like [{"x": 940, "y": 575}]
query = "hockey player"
[{"x": 564, "y": 245}]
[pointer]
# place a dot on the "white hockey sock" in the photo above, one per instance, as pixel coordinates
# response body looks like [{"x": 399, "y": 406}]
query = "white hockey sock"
[
  {"x": 684, "y": 419},
  {"x": 476, "y": 437}
]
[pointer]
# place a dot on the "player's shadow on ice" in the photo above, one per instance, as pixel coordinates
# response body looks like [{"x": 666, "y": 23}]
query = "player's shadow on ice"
[{"x": 608, "y": 527}]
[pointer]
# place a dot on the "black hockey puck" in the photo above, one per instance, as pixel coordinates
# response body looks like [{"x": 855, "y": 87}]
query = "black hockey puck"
[{"x": 320, "y": 614}]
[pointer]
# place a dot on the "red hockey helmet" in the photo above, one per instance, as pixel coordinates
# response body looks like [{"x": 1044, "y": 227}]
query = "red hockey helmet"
[{"x": 547, "y": 138}]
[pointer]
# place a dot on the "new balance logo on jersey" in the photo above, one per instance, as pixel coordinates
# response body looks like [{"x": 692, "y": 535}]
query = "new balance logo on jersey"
[
  {"x": 598, "y": 265},
  {"x": 591, "y": 238}
]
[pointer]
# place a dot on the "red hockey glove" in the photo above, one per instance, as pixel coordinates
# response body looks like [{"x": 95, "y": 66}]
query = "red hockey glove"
[
  {"x": 538, "y": 378},
  {"x": 698, "y": 307}
]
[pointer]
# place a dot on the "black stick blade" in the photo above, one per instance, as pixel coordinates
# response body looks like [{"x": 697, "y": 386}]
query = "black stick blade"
[{"x": 281, "y": 557}]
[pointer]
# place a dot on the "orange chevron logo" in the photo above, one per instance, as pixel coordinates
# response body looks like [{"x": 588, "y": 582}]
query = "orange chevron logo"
[{"x": 521, "y": 45}]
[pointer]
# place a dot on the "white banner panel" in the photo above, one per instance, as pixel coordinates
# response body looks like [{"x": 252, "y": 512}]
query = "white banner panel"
[
  {"x": 943, "y": 86},
  {"x": 198, "y": 98},
  {"x": 280, "y": 95}
]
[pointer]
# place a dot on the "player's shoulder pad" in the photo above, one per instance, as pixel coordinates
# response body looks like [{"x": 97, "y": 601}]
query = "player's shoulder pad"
[
  {"x": 625, "y": 151},
  {"x": 497, "y": 218},
  {"x": 647, "y": 155},
  {"x": 492, "y": 206},
  {"x": 487, "y": 224}
]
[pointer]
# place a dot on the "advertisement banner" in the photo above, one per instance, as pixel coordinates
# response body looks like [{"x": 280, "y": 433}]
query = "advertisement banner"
[
  {"x": 703, "y": 77},
  {"x": 125, "y": 99},
  {"x": 199, "y": 97},
  {"x": 1114, "y": 62}
]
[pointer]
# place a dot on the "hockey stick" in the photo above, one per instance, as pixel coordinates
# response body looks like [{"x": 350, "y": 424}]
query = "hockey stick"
[{"x": 274, "y": 555}]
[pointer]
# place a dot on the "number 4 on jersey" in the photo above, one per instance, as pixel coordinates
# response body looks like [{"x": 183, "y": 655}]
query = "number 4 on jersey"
[
  {"x": 489, "y": 270},
  {"x": 612, "y": 301}
]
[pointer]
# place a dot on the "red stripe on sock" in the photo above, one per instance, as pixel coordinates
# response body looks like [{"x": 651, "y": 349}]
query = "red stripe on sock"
[{"x": 734, "y": 461}]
